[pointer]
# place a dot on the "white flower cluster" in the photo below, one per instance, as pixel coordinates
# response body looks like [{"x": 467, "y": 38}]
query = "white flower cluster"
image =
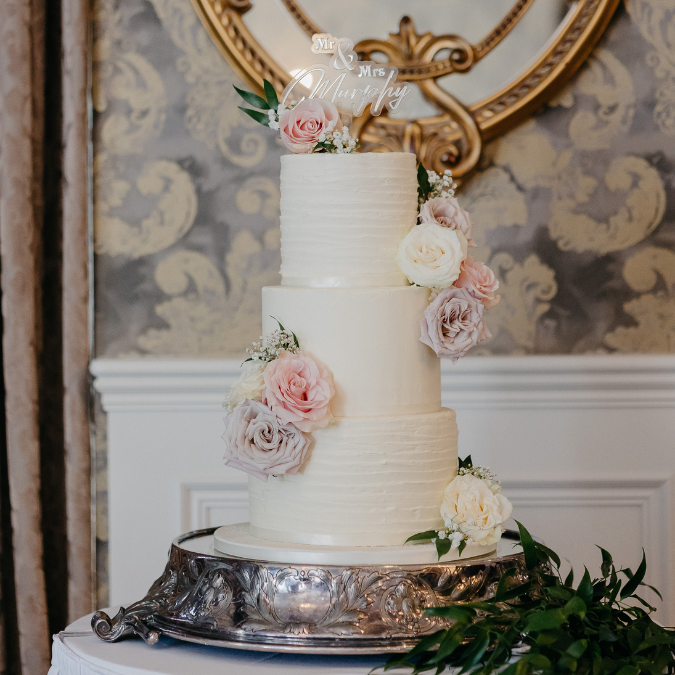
[
  {"x": 275, "y": 115},
  {"x": 272, "y": 345},
  {"x": 481, "y": 472},
  {"x": 441, "y": 186},
  {"x": 341, "y": 141},
  {"x": 454, "y": 534}
]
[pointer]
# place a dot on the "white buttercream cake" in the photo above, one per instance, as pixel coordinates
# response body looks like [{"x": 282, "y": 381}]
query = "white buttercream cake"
[{"x": 376, "y": 475}]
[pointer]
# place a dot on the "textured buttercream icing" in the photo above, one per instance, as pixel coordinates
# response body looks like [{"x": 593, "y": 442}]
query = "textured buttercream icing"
[
  {"x": 369, "y": 338},
  {"x": 367, "y": 482},
  {"x": 343, "y": 217}
]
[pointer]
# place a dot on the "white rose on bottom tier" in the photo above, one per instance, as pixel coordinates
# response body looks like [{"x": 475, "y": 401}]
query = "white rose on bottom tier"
[{"x": 470, "y": 504}]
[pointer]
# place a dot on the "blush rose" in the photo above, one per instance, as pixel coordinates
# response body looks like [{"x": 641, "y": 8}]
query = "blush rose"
[
  {"x": 302, "y": 126},
  {"x": 480, "y": 281},
  {"x": 260, "y": 443},
  {"x": 453, "y": 323},
  {"x": 299, "y": 389},
  {"x": 446, "y": 212}
]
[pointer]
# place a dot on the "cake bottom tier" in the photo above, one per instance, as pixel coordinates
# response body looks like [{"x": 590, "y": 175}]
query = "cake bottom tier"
[{"x": 370, "y": 481}]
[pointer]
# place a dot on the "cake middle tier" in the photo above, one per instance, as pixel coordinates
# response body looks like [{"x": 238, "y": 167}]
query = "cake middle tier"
[
  {"x": 366, "y": 482},
  {"x": 369, "y": 339}
]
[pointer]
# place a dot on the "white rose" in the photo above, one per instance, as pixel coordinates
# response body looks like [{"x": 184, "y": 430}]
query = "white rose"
[
  {"x": 479, "y": 512},
  {"x": 249, "y": 386},
  {"x": 431, "y": 255}
]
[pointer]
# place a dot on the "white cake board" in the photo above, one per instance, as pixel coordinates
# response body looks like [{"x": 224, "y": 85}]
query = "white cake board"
[{"x": 236, "y": 540}]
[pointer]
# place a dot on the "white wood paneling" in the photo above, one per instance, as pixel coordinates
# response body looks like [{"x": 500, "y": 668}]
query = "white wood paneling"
[{"x": 585, "y": 446}]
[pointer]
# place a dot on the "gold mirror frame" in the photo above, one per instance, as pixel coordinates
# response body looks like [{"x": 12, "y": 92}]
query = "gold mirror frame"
[{"x": 454, "y": 138}]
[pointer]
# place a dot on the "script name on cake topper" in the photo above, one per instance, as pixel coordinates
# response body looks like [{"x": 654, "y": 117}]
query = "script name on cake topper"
[{"x": 348, "y": 82}]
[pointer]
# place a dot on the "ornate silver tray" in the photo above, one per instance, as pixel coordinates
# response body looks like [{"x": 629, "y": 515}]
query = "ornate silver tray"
[{"x": 210, "y": 598}]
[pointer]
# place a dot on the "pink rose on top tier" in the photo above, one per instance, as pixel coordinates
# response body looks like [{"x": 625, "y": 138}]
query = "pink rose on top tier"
[
  {"x": 260, "y": 444},
  {"x": 446, "y": 212},
  {"x": 453, "y": 323},
  {"x": 299, "y": 390},
  {"x": 302, "y": 126},
  {"x": 480, "y": 281}
]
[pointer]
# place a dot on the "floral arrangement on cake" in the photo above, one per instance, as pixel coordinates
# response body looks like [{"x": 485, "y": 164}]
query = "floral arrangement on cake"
[
  {"x": 473, "y": 510},
  {"x": 281, "y": 396},
  {"x": 306, "y": 126},
  {"x": 434, "y": 254}
]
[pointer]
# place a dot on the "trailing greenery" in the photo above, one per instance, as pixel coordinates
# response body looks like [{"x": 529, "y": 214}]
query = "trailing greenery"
[
  {"x": 598, "y": 627},
  {"x": 269, "y": 103}
]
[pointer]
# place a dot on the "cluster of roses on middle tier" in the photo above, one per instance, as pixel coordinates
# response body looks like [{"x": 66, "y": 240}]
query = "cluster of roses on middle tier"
[
  {"x": 434, "y": 254},
  {"x": 278, "y": 399}
]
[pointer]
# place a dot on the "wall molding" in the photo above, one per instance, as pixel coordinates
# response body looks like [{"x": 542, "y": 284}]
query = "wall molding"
[
  {"x": 198, "y": 500},
  {"x": 506, "y": 382}
]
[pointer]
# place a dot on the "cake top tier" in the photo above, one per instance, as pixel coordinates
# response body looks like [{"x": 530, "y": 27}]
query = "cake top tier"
[{"x": 343, "y": 217}]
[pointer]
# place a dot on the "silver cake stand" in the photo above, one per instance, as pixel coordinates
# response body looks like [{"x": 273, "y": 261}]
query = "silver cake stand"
[{"x": 212, "y": 598}]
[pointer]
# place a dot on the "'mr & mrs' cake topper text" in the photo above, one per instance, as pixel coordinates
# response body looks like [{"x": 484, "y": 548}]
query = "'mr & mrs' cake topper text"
[{"x": 348, "y": 82}]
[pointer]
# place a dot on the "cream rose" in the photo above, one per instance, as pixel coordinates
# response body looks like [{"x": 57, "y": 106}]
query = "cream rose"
[
  {"x": 478, "y": 511},
  {"x": 446, "y": 212},
  {"x": 431, "y": 255},
  {"x": 249, "y": 386}
]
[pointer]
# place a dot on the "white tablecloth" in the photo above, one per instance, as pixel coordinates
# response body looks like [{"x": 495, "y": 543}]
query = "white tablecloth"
[{"x": 77, "y": 651}]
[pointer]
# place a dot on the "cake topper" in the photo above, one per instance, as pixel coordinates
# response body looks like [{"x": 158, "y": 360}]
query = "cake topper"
[{"x": 348, "y": 82}]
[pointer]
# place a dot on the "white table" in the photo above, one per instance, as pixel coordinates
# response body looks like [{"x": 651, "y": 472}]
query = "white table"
[{"x": 77, "y": 651}]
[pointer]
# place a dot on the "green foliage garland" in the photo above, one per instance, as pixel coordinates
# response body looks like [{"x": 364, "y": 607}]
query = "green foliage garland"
[{"x": 599, "y": 627}]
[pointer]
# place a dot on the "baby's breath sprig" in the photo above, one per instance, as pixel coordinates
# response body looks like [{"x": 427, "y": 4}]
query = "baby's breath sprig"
[
  {"x": 273, "y": 344},
  {"x": 431, "y": 185},
  {"x": 338, "y": 142},
  {"x": 466, "y": 467}
]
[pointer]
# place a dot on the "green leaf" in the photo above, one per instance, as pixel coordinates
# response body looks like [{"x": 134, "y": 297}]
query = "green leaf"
[
  {"x": 628, "y": 670},
  {"x": 461, "y": 547},
  {"x": 426, "y": 643},
  {"x": 634, "y": 639},
  {"x": 258, "y": 116},
  {"x": 606, "y": 562},
  {"x": 529, "y": 549},
  {"x": 423, "y": 185},
  {"x": 549, "y": 553},
  {"x": 636, "y": 579},
  {"x": 575, "y": 606},
  {"x": 503, "y": 585},
  {"x": 271, "y": 95},
  {"x": 476, "y": 650},
  {"x": 465, "y": 463},
  {"x": 545, "y": 620},
  {"x": 559, "y": 592},
  {"x": 457, "y": 613},
  {"x": 585, "y": 588},
  {"x": 423, "y": 536},
  {"x": 569, "y": 580},
  {"x": 453, "y": 639},
  {"x": 442, "y": 546},
  {"x": 253, "y": 99},
  {"x": 605, "y": 634},
  {"x": 517, "y": 591},
  {"x": 576, "y": 649}
]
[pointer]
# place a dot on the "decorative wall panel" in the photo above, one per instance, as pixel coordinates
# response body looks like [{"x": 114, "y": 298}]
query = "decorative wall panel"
[{"x": 574, "y": 209}]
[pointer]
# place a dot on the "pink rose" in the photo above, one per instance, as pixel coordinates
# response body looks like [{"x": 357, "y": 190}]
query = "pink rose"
[
  {"x": 260, "y": 444},
  {"x": 480, "y": 281},
  {"x": 302, "y": 126},
  {"x": 298, "y": 389},
  {"x": 453, "y": 323},
  {"x": 446, "y": 212}
]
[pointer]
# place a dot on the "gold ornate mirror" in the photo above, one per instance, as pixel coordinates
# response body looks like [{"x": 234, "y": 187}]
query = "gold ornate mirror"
[{"x": 476, "y": 69}]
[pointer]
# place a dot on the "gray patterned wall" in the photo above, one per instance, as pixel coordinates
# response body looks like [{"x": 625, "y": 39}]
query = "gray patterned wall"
[{"x": 574, "y": 209}]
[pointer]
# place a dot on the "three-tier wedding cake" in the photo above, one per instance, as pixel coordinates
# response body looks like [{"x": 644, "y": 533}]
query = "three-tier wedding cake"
[
  {"x": 337, "y": 417},
  {"x": 376, "y": 475}
]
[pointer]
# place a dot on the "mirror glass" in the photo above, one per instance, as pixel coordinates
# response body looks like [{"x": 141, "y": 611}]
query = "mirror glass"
[{"x": 280, "y": 35}]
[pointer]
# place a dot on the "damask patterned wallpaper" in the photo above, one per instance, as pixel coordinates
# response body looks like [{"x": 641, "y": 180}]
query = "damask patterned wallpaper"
[{"x": 574, "y": 210}]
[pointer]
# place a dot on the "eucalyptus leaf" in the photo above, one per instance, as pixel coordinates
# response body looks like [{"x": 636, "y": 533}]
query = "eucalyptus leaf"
[
  {"x": 423, "y": 536},
  {"x": 271, "y": 95},
  {"x": 258, "y": 116},
  {"x": 442, "y": 546},
  {"x": 253, "y": 99}
]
